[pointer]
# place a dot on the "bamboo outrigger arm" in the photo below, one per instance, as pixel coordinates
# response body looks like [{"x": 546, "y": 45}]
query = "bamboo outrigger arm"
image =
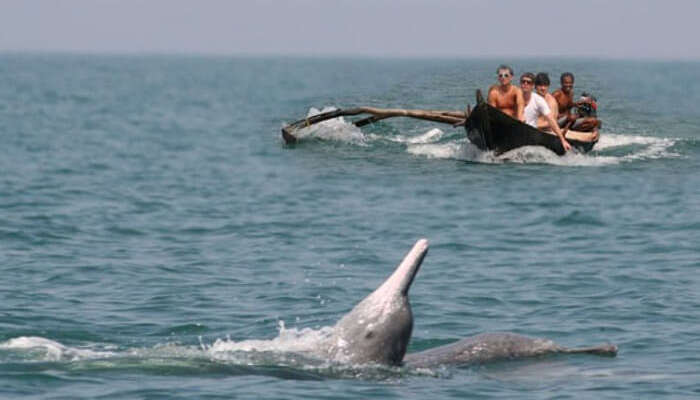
[{"x": 447, "y": 117}]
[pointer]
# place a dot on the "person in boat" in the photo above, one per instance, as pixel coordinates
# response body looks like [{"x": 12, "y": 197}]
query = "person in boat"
[
  {"x": 566, "y": 103},
  {"x": 586, "y": 107},
  {"x": 505, "y": 96},
  {"x": 542, "y": 88},
  {"x": 536, "y": 106}
]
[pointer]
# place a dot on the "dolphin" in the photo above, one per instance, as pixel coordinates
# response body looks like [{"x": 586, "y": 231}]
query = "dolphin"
[
  {"x": 490, "y": 347},
  {"x": 378, "y": 329}
]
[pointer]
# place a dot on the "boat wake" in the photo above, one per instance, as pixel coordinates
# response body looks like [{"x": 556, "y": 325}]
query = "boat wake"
[
  {"x": 335, "y": 129},
  {"x": 612, "y": 149}
]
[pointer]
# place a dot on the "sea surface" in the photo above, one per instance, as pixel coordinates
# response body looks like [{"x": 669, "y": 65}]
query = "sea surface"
[{"x": 159, "y": 240}]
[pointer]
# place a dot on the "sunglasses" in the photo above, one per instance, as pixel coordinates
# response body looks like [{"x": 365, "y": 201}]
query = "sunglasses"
[
  {"x": 526, "y": 82},
  {"x": 506, "y": 75}
]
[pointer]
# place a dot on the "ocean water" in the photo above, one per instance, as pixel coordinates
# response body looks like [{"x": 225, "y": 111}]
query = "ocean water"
[{"x": 159, "y": 240}]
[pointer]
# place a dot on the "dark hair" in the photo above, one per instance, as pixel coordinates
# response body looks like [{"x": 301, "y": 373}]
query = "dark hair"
[
  {"x": 503, "y": 66},
  {"x": 564, "y": 75},
  {"x": 527, "y": 75},
  {"x": 542, "y": 79}
]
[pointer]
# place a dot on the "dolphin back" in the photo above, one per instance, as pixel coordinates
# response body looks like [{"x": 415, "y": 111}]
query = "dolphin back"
[{"x": 489, "y": 347}]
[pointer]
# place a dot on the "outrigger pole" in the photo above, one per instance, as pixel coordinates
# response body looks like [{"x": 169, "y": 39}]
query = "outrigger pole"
[{"x": 454, "y": 118}]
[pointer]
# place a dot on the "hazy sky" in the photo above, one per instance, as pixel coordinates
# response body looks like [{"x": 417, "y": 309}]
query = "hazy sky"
[{"x": 453, "y": 28}]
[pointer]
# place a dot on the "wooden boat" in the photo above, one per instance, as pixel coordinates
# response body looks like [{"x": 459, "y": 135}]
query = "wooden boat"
[
  {"x": 487, "y": 127},
  {"x": 490, "y": 129}
]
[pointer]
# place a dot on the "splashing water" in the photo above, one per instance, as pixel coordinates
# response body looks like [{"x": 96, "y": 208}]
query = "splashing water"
[
  {"x": 43, "y": 349},
  {"x": 292, "y": 340},
  {"x": 305, "y": 341},
  {"x": 430, "y": 136},
  {"x": 434, "y": 143},
  {"x": 335, "y": 129},
  {"x": 298, "y": 349}
]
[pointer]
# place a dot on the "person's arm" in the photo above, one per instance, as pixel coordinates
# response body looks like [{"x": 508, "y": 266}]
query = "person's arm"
[
  {"x": 555, "y": 128},
  {"x": 553, "y": 106},
  {"x": 520, "y": 105},
  {"x": 561, "y": 103},
  {"x": 549, "y": 116},
  {"x": 491, "y": 99},
  {"x": 542, "y": 122}
]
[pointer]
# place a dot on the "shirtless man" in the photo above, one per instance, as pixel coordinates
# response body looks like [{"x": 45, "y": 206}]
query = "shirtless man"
[
  {"x": 506, "y": 96},
  {"x": 542, "y": 88},
  {"x": 565, "y": 100},
  {"x": 536, "y": 106}
]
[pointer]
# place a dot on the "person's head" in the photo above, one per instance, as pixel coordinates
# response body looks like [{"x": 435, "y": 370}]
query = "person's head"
[
  {"x": 505, "y": 74},
  {"x": 542, "y": 83},
  {"x": 527, "y": 82},
  {"x": 567, "y": 82}
]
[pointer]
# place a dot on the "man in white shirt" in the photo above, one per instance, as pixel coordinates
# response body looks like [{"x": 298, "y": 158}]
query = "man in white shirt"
[
  {"x": 542, "y": 88},
  {"x": 536, "y": 106}
]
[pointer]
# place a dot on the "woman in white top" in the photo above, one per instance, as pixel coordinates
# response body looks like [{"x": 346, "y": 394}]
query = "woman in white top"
[{"x": 536, "y": 106}]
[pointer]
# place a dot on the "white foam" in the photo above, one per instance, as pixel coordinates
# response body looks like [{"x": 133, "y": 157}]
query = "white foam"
[
  {"x": 457, "y": 150},
  {"x": 294, "y": 348},
  {"x": 642, "y": 147},
  {"x": 443, "y": 150},
  {"x": 541, "y": 155},
  {"x": 428, "y": 144},
  {"x": 292, "y": 340},
  {"x": 305, "y": 342},
  {"x": 336, "y": 129},
  {"x": 430, "y": 136},
  {"x": 49, "y": 350},
  {"x": 652, "y": 147},
  {"x": 617, "y": 140}
]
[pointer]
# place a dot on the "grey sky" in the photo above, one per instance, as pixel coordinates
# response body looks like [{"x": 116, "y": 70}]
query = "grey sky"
[{"x": 453, "y": 28}]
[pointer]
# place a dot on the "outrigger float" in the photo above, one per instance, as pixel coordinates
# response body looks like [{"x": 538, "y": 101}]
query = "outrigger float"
[{"x": 487, "y": 127}]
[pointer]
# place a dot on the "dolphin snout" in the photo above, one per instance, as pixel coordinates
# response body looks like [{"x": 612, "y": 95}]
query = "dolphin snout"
[{"x": 410, "y": 265}]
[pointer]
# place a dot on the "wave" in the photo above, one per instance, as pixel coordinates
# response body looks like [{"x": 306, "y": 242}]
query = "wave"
[
  {"x": 293, "y": 353},
  {"x": 335, "y": 129},
  {"x": 305, "y": 341},
  {"x": 642, "y": 147},
  {"x": 42, "y": 349},
  {"x": 629, "y": 147},
  {"x": 430, "y": 136},
  {"x": 613, "y": 148}
]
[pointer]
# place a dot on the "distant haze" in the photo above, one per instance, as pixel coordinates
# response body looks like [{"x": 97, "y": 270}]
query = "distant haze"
[{"x": 452, "y": 28}]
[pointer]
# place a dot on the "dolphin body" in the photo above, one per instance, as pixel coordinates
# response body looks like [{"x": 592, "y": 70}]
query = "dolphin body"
[
  {"x": 378, "y": 330},
  {"x": 489, "y": 347}
]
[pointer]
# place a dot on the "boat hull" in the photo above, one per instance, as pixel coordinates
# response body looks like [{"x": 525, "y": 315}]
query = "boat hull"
[{"x": 490, "y": 129}]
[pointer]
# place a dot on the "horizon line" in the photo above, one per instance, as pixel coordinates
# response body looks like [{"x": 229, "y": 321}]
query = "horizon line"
[{"x": 310, "y": 55}]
